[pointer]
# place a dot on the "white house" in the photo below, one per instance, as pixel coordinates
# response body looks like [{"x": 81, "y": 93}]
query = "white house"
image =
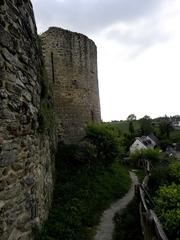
[
  {"x": 176, "y": 124},
  {"x": 143, "y": 142}
]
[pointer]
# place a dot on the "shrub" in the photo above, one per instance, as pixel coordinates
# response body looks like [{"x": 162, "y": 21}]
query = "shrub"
[
  {"x": 127, "y": 141},
  {"x": 153, "y": 155},
  {"x": 159, "y": 176},
  {"x": 80, "y": 196},
  {"x": 127, "y": 223},
  {"x": 174, "y": 171},
  {"x": 106, "y": 141},
  {"x": 167, "y": 202},
  {"x": 135, "y": 157},
  {"x": 74, "y": 157}
]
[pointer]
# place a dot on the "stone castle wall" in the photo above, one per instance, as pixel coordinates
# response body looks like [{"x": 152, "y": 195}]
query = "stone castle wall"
[
  {"x": 26, "y": 166},
  {"x": 71, "y": 64}
]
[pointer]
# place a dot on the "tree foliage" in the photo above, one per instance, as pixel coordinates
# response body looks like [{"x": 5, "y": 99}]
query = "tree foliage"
[
  {"x": 165, "y": 128},
  {"x": 131, "y": 117},
  {"x": 174, "y": 171},
  {"x": 131, "y": 128},
  {"x": 146, "y": 125},
  {"x": 147, "y": 117},
  {"x": 153, "y": 155},
  {"x": 127, "y": 141}
]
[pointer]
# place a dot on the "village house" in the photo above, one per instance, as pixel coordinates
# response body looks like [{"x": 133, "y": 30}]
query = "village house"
[
  {"x": 144, "y": 142},
  {"x": 176, "y": 124}
]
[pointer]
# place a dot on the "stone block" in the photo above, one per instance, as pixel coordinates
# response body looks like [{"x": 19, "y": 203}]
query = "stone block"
[
  {"x": 3, "y": 93},
  {"x": 7, "y": 158},
  {"x": 11, "y": 178},
  {"x": 22, "y": 220},
  {"x": 28, "y": 181},
  {"x": 2, "y": 184},
  {"x": 2, "y": 203}
]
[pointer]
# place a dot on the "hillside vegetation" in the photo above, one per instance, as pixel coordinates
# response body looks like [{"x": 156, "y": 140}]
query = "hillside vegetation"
[{"x": 89, "y": 177}]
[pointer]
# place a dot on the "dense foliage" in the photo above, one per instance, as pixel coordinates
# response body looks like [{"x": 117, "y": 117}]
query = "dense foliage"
[
  {"x": 164, "y": 185},
  {"x": 146, "y": 125},
  {"x": 107, "y": 141},
  {"x": 174, "y": 171},
  {"x": 153, "y": 155},
  {"x": 164, "y": 174},
  {"x": 167, "y": 202},
  {"x": 159, "y": 176}
]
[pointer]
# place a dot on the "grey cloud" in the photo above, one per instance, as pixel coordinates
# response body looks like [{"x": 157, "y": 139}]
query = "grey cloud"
[
  {"x": 138, "y": 35},
  {"x": 93, "y": 15}
]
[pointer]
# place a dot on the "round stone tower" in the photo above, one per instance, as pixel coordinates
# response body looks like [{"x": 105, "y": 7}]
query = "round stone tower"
[{"x": 71, "y": 65}]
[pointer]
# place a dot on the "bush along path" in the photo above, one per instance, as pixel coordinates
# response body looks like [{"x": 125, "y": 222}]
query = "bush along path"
[{"x": 106, "y": 226}]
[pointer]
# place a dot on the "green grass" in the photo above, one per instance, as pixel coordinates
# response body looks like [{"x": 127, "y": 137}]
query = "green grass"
[
  {"x": 127, "y": 223},
  {"x": 175, "y": 136},
  {"x": 80, "y": 196},
  {"x": 123, "y": 126}
]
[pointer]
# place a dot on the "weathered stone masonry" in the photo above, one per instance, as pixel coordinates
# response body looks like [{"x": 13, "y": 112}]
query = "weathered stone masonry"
[
  {"x": 26, "y": 153},
  {"x": 25, "y": 156},
  {"x": 71, "y": 63}
]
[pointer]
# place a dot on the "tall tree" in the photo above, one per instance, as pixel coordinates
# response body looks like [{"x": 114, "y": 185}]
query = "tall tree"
[
  {"x": 165, "y": 127},
  {"x": 146, "y": 125},
  {"x": 131, "y": 117},
  {"x": 131, "y": 128}
]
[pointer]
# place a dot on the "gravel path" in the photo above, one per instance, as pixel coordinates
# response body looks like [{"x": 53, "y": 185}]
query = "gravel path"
[{"x": 106, "y": 226}]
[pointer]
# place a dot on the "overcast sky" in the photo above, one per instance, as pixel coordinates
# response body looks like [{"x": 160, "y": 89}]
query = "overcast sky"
[{"x": 138, "y": 44}]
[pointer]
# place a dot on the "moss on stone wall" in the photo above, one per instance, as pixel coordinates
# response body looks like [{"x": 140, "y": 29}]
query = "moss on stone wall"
[{"x": 46, "y": 116}]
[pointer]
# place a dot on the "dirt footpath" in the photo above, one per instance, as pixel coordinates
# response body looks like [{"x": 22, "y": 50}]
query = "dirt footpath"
[{"x": 106, "y": 226}]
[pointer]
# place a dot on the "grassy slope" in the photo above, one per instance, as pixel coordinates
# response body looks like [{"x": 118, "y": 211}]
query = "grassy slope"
[
  {"x": 123, "y": 126},
  {"x": 175, "y": 136},
  {"x": 79, "y": 199}
]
